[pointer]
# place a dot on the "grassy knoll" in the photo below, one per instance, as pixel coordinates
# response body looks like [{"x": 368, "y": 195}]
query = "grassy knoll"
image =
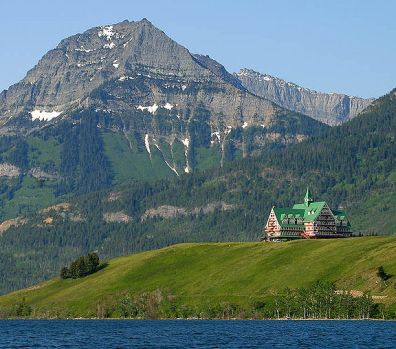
[{"x": 206, "y": 274}]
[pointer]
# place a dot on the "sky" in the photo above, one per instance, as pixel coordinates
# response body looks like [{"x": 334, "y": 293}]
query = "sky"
[{"x": 344, "y": 46}]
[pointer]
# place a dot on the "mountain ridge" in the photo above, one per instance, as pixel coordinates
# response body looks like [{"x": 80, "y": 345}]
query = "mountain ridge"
[
  {"x": 330, "y": 108},
  {"x": 140, "y": 45}
]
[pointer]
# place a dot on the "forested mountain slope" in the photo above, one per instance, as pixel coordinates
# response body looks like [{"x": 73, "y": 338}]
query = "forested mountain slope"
[
  {"x": 354, "y": 163},
  {"x": 350, "y": 166}
]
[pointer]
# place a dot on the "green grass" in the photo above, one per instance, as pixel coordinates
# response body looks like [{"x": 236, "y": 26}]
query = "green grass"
[
  {"x": 159, "y": 168},
  {"x": 209, "y": 273},
  {"x": 121, "y": 157},
  {"x": 33, "y": 194},
  {"x": 44, "y": 152},
  {"x": 208, "y": 157},
  {"x": 179, "y": 156},
  {"x": 136, "y": 163},
  {"x": 133, "y": 164},
  {"x": 30, "y": 197}
]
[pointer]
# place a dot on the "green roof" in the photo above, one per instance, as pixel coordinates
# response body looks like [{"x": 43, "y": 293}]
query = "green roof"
[
  {"x": 308, "y": 211},
  {"x": 282, "y": 213},
  {"x": 339, "y": 213},
  {"x": 311, "y": 211},
  {"x": 341, "y": 216}
]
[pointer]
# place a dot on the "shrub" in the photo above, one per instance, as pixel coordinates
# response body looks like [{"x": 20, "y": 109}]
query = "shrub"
[
  {"x": 23, "y": 309},
  {"x": 382, "y": 274}
]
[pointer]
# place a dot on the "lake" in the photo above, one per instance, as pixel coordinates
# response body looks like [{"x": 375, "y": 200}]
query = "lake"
[{"x": 196, "y": 334}]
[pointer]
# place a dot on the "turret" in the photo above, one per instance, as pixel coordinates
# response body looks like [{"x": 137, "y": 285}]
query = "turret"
[{"x": 308, "y": 198}]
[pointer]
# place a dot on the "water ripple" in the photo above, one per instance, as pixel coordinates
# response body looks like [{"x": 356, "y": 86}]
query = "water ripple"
[{"x": 99, "y": 334}]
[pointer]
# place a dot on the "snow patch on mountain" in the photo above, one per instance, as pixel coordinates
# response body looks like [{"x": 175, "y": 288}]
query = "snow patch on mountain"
[
  {"x": 44, "y": 115},
  {"x": 168, "y": 106},
  {"x": 217, "y": 134},
  {"x": 151, "y": 108},
  {"x": 186, "y": 143},
  {"x": 147, "y": 144},
  {"x": 171, "y": 167},
  {"x": 125, "y": 77},
  {"x": 110, "y": 45},
  {"x": 82, "y": 49},
  {"x": 106, "y": 32}
]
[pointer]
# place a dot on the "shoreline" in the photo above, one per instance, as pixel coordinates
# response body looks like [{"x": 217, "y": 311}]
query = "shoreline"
[{"x": 187, "y": 319}]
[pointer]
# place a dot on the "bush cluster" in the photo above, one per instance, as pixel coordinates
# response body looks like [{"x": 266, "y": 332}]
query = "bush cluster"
[{"x": 81, "y": 267}]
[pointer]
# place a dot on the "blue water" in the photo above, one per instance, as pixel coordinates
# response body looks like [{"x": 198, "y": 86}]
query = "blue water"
[{"x": 196, "y": 334}]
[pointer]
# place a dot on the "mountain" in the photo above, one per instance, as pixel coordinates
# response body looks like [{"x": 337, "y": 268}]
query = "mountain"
[
  {"x": 122, "y": 102},
  {"x": 330, "y": 108},
  {"x": 223, "y": 280},
  {"x": 133, "y": 67},
  {"x": 109, "y": 172},
  {"x": 351, "y": 166}
]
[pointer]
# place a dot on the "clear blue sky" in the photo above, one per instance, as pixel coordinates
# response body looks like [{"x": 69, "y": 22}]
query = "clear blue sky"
[{"x": 344, "y": 46}]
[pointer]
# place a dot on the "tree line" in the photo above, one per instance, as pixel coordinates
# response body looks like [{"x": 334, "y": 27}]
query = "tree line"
[{"x": 322, "y": 300}]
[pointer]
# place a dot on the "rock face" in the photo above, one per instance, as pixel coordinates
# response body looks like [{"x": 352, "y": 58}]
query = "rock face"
[
  {"x": 66, "y": 75},
  {"x": 15, "y": 222},
  {"x": 330, "y": 108},
  {"x": 167, "y": 73},
  {"x": 168, "y": 211},
  {"x": 39, "y": 173},
  {"x": 9, "y": 170},
  {"x": 165, "y": 211},
  {"x": 116, "y": 217}
]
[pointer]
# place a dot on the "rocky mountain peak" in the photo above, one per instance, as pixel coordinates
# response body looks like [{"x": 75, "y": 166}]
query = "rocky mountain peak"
[
  {"x": 82, "y": 62},
  {"x": 131, "y": 79}
]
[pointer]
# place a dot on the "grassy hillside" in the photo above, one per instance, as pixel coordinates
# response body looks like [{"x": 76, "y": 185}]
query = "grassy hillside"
[{"x": 206, "y": 275}]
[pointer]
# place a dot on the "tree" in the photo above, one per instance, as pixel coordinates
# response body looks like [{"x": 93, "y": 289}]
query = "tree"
[
  {"x": 64, "y": 273},
  {"x": 92, "y": 262},
  {"x": 382, "y": 274}
]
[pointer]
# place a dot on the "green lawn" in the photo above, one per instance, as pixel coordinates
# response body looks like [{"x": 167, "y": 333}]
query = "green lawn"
[{"x": 214, "y": 272}]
